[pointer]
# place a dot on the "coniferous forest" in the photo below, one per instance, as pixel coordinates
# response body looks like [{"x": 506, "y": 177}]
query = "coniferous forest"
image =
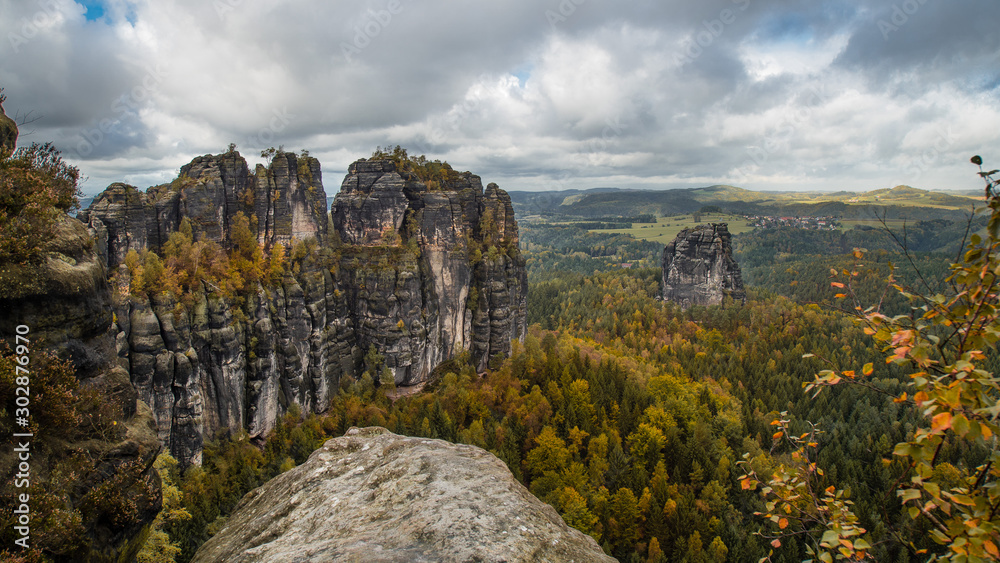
[{"x": 641, "y": 423}]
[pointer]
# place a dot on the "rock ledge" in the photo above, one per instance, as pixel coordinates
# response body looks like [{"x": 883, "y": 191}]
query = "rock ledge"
[{"x": 375, "y": 496}]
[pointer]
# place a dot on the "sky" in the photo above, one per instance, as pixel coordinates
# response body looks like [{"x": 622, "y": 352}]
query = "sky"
[{"x": 530, "y": 94}]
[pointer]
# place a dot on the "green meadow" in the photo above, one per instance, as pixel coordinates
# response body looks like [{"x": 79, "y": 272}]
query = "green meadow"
[{"x": 666, "y": 228}]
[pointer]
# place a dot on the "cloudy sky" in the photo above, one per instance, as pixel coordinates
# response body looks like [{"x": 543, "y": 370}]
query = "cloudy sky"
[{"x": 531, "y": 94}]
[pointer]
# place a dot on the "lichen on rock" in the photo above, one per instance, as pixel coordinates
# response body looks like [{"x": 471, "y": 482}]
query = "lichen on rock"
[{"x": 375, "y": 496}]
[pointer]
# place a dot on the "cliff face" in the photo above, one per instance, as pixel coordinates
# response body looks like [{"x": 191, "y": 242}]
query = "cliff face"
[
  {"x": 286, "y": 200},
  {"x": 8, "y": 131},
  {"x": 64, "y": 300},
  {"x": 699, "y": 269},
  {"x": 443, "y": 263},
  {"x": 374, "y": 496},
  {"x": 420, "y": 275}
]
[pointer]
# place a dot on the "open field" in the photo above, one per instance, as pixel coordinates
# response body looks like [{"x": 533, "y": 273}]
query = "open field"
[
  {"x": 894, "y": 224},
  {"x": 666, "y": 228}
]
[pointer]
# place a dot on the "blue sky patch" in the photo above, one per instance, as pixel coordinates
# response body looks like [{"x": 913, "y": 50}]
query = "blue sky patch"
[{"x": 95, "y": 10}]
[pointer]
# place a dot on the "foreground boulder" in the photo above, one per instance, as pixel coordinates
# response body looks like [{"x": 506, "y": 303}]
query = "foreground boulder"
[
  {"x": 699, "y": 268},
  {"x": 375, "y": 496}
]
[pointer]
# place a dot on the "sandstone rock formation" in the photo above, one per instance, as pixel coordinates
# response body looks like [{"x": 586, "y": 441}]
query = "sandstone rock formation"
[
  {"x": 374, "y": 496},
  {"x": 8, "y": 130},
  {"x": 286, "y": 200},
  {"x": 456, "y": 278},
  {"x": 419, "y": 274},
  {"x": 65, "y": 302},
  {"x": 699, "y": 269}
]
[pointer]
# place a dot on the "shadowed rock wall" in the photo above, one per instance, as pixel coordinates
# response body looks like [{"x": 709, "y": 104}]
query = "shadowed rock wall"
[{"x": 699, "y": 268}]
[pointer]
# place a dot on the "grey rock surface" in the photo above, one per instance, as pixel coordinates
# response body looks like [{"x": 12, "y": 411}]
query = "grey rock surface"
[
  {"x": 284, "y": 201},
  {"x": 419, "y": 274},
  {"x": 66, "y": 302},
  {"x": 8, "y": 131},
  {"x": 374, "y": 496},
  {"x": 699, "y": 268}
]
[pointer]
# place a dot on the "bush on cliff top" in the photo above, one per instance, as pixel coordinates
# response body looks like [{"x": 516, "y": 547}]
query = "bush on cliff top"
[
  {"x": 435, "y": 173},
  {"x": 36, "y": 186}
]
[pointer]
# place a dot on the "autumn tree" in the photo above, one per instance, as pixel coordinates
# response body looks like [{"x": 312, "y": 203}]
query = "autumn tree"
[
  {"x": 946, "y": 345},
  {"x": 36, "y": 187}
]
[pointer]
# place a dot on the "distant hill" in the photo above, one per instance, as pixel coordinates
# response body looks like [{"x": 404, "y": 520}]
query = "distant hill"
[{"x": 894, "y": 203}]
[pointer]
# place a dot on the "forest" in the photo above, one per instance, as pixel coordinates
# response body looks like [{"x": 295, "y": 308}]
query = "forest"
[{"x": 647, "y": 426}]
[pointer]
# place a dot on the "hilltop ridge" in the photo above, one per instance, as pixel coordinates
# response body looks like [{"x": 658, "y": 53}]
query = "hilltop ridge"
[{"x": 596, "y": 203}]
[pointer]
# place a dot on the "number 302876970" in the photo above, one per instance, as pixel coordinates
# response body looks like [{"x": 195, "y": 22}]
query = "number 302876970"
[{"x": 22, "y": 375}]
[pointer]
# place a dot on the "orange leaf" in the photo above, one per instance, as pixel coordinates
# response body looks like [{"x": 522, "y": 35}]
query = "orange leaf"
[
  {"x": 778, "y": 435},
  {"x": 868, "y": 369},
  {"x": 776, "y": 543},
  {"x": 991, "y": 548},
  {"x": 745, "y": 483},
  {"x": 783, "y": 523},
  {"x": 840, "y": 296},
  {"x": 941, "y": 421},
  {"x": 836, "y": 284}
]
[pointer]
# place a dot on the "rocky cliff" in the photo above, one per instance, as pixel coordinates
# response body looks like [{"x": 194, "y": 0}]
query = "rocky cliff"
[
  {"x": 64, "y": 301},
  {"x": 285, "y": 201},
  {"x": 429, "y": 272},
  {"x": 419, "y": 274},
  {"x": 8, "y": 129},
  {"x": 699, "y": 268},
  {"x": 374, "y": 496}
]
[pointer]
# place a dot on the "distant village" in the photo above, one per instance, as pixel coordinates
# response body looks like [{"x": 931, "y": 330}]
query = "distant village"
[{"x": 812, "y": 223}]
